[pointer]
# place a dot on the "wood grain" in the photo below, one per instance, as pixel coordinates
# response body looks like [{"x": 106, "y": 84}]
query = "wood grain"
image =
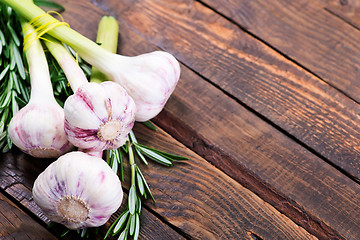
[
  {"x": 299, "y": 103},
  {"x": 207, "y": 204},
  {"x": 250, "y": 143},
  {"x": 347, "y": 10},
  {"x": 195, "y": 197},
  {"x": 253, "y": 152},
  {"x": 239, "y": 212},
  {"x": 17, "y": 175},
  {"x": 308, "y": 34},
  {"x": 23, "y": 171},
  {"x": 16, "y": 224}
]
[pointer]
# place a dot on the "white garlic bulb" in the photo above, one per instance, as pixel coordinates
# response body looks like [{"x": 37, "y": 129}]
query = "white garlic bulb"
[
  {"x": 78, "y": 191},
  {"x": 98, "y": 116},
  {"x": 38, "y": 128},
  {"x": 148, "y": 78}
]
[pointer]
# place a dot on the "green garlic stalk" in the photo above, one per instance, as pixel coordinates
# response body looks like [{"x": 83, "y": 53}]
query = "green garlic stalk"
[
  {"x": 148, "y": 78},
  {"x": 107, "y": 37}
]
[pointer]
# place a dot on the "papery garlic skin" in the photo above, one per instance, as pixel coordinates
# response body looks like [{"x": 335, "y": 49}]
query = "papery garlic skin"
[
  {"x": 149, "y": 79},
  {"x": 78, "y": 191},
  {"x": 99, "y": 116},
  {"x": 38, "y": 130}
]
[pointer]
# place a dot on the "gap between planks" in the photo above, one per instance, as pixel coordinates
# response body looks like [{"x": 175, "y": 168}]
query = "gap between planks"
[{"x": 210, "y": 145}]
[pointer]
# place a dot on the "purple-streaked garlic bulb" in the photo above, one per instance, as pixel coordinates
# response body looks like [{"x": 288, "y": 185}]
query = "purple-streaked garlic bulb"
[
  {"x": 78, "y": 191},
  {"x": 98, "y": 116},
  {"x": 38, "y": 128}
]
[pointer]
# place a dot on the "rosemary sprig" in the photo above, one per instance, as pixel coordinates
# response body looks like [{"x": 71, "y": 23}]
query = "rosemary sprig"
[
  {"x": 128, "y": 223},
  {"x": 14, "y": 79}
]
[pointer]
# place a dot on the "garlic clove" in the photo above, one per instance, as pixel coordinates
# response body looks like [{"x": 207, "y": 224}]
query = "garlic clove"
[
  {"x": 38, "y": 130},
  {"x": 78, "y": 191},
  {"x": 99, "y": 116}
]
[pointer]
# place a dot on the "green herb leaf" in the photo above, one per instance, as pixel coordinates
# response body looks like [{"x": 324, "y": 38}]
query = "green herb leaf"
[
  {"x": 121, "y": 221},
  {"x": 145, "y": 183},
  {"x": 13, "y": 34},
  {"x": 134, "y": 140},
  {"x": 50, "y": 4},
  {"x": 2, "y": 38},
  {"x": 19, "y": 62},
  {"x": 153, "y": 155},
  {"x": 140, "y": 184},
  {"x": 66, "y": 231},
  {"x": 169, "y": 156},
  {"x": 3, "y": 73},
  {"x": 114, "y": 165},
  {"x": 137, "y": 227},
  {"x": 84, "y": 232},
  {"x": 132, "y": 199},
  {"x": 132, "y": 224},
  {"x": 150, "y": 125}
]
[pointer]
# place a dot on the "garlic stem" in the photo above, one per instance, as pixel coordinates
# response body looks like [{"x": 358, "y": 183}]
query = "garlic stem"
[
  {"x": 148, "y": 78},
  {"x": 89, "y": 50},
  {"x": 41, "y": 88},
  {"x": 73, "y": 72},
  {"x": 131, "y": 161},
  {"x": 107, "y": 36}
]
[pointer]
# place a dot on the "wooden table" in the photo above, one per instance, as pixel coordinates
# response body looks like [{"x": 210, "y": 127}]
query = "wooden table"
[{"x": 267, "y": 109}]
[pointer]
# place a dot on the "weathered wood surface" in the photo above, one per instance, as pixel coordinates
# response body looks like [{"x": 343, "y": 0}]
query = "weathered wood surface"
[
  {"x": 17, "y": 175},
  {"x": 292, "y": 98},
  {"x": 267, "y": 98},
  {"x": 16, "y": 224},
  {"x": 347, "y": 10},
  {"x": 195, "y": 197},
  {"x": 227, "y": 134}
]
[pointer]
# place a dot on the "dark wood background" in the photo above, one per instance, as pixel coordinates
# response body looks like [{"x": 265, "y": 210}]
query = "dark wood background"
[{"x": 267, "y": 109}]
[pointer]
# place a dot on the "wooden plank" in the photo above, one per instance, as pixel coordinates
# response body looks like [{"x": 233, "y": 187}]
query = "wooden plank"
[
  {"x": 252, "y": 149},
  {"x": 17, "y": 175},
  {"x": 305, "y": 32},
  {"x": 263, "y": 157},
  {"x": 293, "y": 99},
  {"x": 239, "y": 212},
  {"x": 192, "y": 198},
  {"x": 16, "y": 224},
  {"x": 348, "y": 10},
  {"x": 176, "y": 200},
  {"x": 207, "y": 204}
]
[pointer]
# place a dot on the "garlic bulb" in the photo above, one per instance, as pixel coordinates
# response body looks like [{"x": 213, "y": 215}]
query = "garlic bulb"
[
  {"x": 38, "y": 128},
  {"x": 78, "y": 191},
  {"x": 98, "y": 116},
  {"x": 149, "y": 78}
]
